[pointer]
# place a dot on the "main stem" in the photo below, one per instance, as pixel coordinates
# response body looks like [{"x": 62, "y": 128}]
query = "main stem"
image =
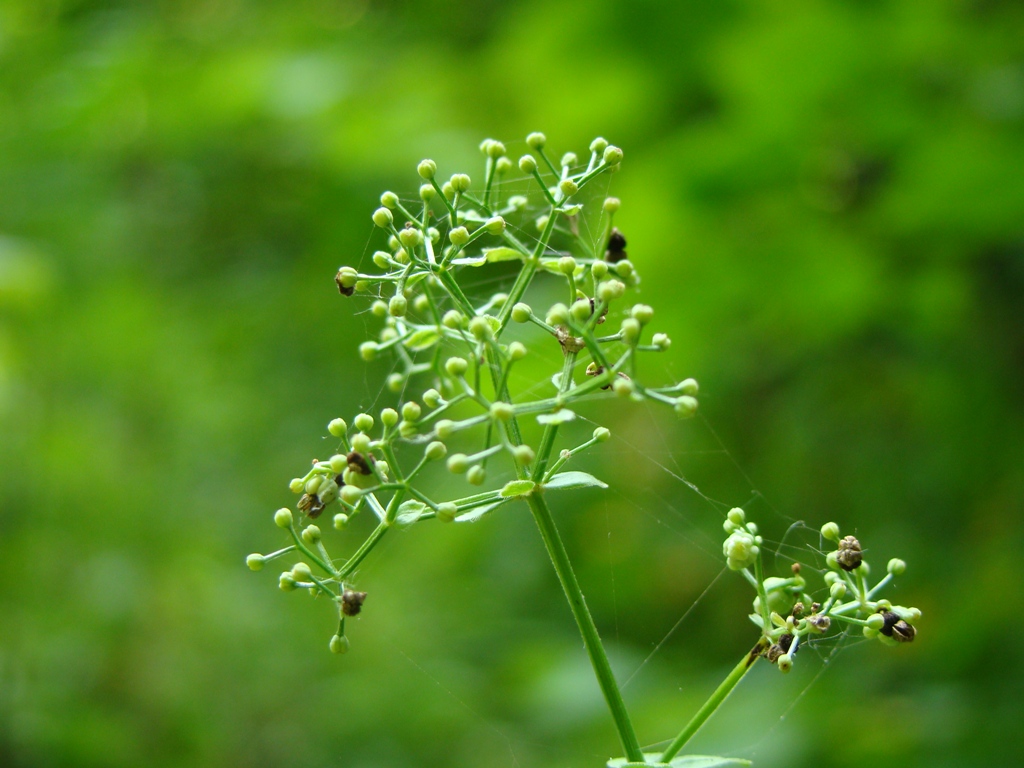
[
  {"x": 591, "y": 639},
  {"x": 713, "y": 703}
]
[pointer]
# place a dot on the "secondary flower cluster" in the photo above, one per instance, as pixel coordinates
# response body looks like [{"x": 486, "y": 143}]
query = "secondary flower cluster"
[
  {"x": 453, "y": 362},
  {"x": 787, "y": 614}
]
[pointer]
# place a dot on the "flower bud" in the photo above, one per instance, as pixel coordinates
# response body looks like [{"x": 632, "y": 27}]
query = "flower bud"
[
  {"x": 737, "y": 516},
  {"x": 255, "y": 561},
  {"x": 521, "y": 312},
  {"x": 296, "y": 485},
  {"x": 495, "y": 225},
  {"x": 401, "y": 255},
  {"x": 389, "y": 417},
  {"x": 558, "y": 315},
  {"x": 395, "y": 382},
  {"x": 378, "y": 308},
  {"x": 407, "y": 429},
  {"x": 313, "y": 484},
  {"x": 460, "y": 182},
  {"x": 432, "y": 398},
  {"x": 581, "y": 310},
  {"x": 300, "y": 572},
  {"x": 897, "y": 567},
  {"x": 598, "y": 145},
  {"x": 527, "y": 164},
  {"x": 849, "y": 554},
  {"x": 446, "y": 511},
  {"x": 351, "y": 495},
  {"x": 456, "y": 366},
  {"x": 476, "y": 475},
  {"x": 623, "y": 268},
  {"x": 623, "y": 387},
  {"x": 337, "y": 427},
  {"x": 411, "y": 411},
  {"x": 784, "y": 663},
  {"x": 516, "y": 351},
  {"x": 421, "y": 303},
  {"x": 536, "y": 140},
  {"x": 685, "y": 406},
  {"x": 459, "y": 236},
  {"x": 368, "y": 350},
  {"x": 427, "y": 169},
  {"x": 689, "y": 387},
  {"x": 599, "y": 269},
  {"x": 602, "y": 434},
  {"x": 481, "y": 329},
  {"x": 382, "y": 217},
  {"x": 435, "y": 451},
  {"x": 523, "y": 454},
  {"x": 285, "y": 582},
  {"x": 398, "y": 306},
  {"x": 612, "y": 155},
  {"x": 427, "y": 192},
  {"x": 830, "y": 531},
  {"x": 568, "y": 187},
  {"x": 453, "y": 319},
  {"x": 340, "y": 521},
  {"x": 630, "y": 330},
  {"x": 567, "y": 265},
  {"x": 283, "y": 518},
  {"x": 339, "y": 644},
  {"x": 448, "y": 190},
  {"x": 661, "y": 341},
  {"x": 642, "y": 313},
  {"x": 311, "y": 534},
  {"x": 611, "y": 204},
  {"x": 458, "y": 463},
  {"x": 361, "y": 443},
  {"x": 411, "y": 238},
  {"x": 502, "y": 411},
  {"x": 444, "y": 428},
  {"x": 740, "y": 550},
  {"x": 610, "y": 290},
  {"x": 389, "y": 200},
  {"x": 364, "y": 422},
  {"x": 568, "y": 160}
]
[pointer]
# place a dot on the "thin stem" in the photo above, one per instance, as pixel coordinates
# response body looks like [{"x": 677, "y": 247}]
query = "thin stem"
[
  {"x": 363, "y": 551},
  {"x": 585, "y": 622},
  {"x": 716, "y": 700}
]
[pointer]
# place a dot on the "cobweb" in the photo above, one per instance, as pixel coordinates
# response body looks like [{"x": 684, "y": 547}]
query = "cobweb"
[{"x": 683, "y": 512}]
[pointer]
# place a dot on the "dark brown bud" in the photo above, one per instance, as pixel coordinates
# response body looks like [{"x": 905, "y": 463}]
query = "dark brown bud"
[
  {"x": 352, "y": 602},
  {"x": 821, "y": 623},
  {"x": 569, "y": 342},
  {"x": 795, "y": 568},
  {"x": 773, "y": 653},
  {"x": 342, "y": 289},
  {"x": 897, "y": 628},
  {"x": 616, "y": 247},
  {"x": 785, "y": 641},
  {"x": 798, "y": 610},
  {"x": 310, "y": 504},
  {"x": 850, "y": 555},
  {"x": 357, "y": 463}
]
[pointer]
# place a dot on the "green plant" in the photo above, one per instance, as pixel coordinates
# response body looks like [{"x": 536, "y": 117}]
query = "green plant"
[{"x": 456, "y": 356}]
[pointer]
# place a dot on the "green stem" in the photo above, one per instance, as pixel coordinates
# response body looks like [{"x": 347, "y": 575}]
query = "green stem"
[
  {"x": 585, "y": 622},
  {"x": 717, "y": 698},
  {"x": 363, "y": 551}
]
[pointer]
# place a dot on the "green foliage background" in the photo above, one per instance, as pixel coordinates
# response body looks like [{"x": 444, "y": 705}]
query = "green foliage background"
[{"x": 826, "y": 200}]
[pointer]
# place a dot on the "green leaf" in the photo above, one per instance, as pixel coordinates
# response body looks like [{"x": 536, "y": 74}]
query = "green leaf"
[
  {"x": 574, "y": 480},
  {"x": 470, "y": 261},
  {"x": 503, "y": 253},
  {"x": 422, "y": 339},
  {"x": 475, "y": 514},
  {"x": 409, "y": 512},
  {"x": 550, "y": 265},
  {"x": 515, "y": 488},
  {"x": 558, "y": 417},
  {"x": 687, "y": 761}
]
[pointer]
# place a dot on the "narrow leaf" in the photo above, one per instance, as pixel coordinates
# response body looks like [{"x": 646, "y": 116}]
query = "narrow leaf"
[
  {"x": 475, "y": 514},
  {"x": 574, "y": 480},
  {"x": 688, "y": 761},
  {"x": 422, "y": 339},
  {"x": 516, "y": 488},
  {"x": 558, "y": 417},
  {"x": 503, "y": 254},
  {"x": 409, "y": 512}
]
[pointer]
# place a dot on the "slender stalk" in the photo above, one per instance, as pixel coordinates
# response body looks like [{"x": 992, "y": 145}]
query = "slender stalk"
[
  {"x": 717, "y": 698},
  {"x": 585, "y": 622}
]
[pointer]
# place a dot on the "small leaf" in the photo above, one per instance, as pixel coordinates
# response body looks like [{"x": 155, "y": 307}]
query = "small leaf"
[
  {"x": 475, "y": 514},
  {"x": 470, "y": 261},
  {"x": 550, "y": 265},
  {"x": 572, "y": 210},
  {"x": 422, "y": 339},
  {"x": 687, "y": 761},
  {"x": 503, "y": 254},
  {"x": 558, "y": 417},
  {"x": 574, "y": 480},
  {"x": 409, "y": 512},
  {"x": 515, "y": 488}
]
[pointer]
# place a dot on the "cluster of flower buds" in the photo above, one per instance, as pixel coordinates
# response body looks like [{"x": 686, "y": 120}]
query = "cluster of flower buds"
[
  {"x": 452, "y": 361},
  {"x": 788, "y": 615}
]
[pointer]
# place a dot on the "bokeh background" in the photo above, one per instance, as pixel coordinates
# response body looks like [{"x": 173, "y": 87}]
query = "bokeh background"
[{"x": 826, "y": 201}]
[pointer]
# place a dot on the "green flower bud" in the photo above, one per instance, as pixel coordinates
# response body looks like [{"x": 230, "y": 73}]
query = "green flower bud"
[
  {"x": 518, "y": 202},
  {"x": 368, "y": 350},
  {"x": 340, "y": 521},
  {"x": 301, "y": 572},
  {"x": 516, "y": 351},
  {"x": 453, "y": 319},
  {"x": 623, "y": 387},
  {"x": 339, "y": 644},
  {"x": 567, "y": 265},
  {"x": 362, "y": 286},
  {"x": 446, "y": 511},
  {"x": 612, "y": 155},
  {"x": 459, "y": 236},
  {"x": 297, "y": 485},
  {"x": 630, "y": 330},
  {"x": 495, "y": 225},
  {"x": 285, "y": 582},
  {"x": 407, "y": 429},
  {"x": 527, "y": 164},
  {"x": 351, "y": 495},
  {"x": 460, "y": 182},
  {"x": 784, "y": 663},
  {"x": 444, "y": 428},
  {"x": 598, "y": 145},
  {"x": 421, "y": 303},
  {"x": 361, "y": 443},
  {"x": 255, "y": 561},
  {"x": 398, "y": 306},
  {"x": 661, "y": 341},
  {"x": 494, "y": 149},
  {"x": 502, "y": 411},
  {"x": 580, "y": 310},
  {"x": 402, "y": 256},
  {"x": 382, "y": 259},
  {"x": 610, "y": 290},
  {"x": 411, "y": 411},
  {"x": 389, "y": 200},
  {"x": 364, "y": 422},
  {"x": 876, "y": 621},
  {"x": 395, "y": 382},
  {"x": 536, "y": 140},
  {"x": 685, "y": 406},
  {"x": 379, "y": 308},
  {"x": 624, "y": 268},
  {"x": 427, "y": 192},
  {"x": 383, "y": 467},
  {"x": 741, "y": 550},
  {"x": 642, "y": 313},
  {"x": 382, "y": 218},
  {"x": 389, "y": 417},
  {"x": 599, "y": 269},
  {"x": 602, "y": 434},
  {"x": 689, "y": 387},
  {"x": 456, "y": 366},
  {"x": 897, "y": 567},
  {"x": 558, "y": 315},
  {"x": 568, "y": 187},
  {"x": 337, "y": 427},
  {"x": 521, "y": 312},
  {"x": 503, "y": 166},
  {"x": 476, "y": 475},
  {"x": 569, "y": 159},
  {"x": 737, "y": 516},
  {"x": 311, "y": 534},
  {"x": 832, "y": 560},
  {"x": 523, "y": 454},
  {"x": 611, "y": 205},
  {"x": 435, "y": 451},
  {"x": 448, "y": 190},
  {"x": 427, "y": 169},
  {"x": 338, "y": 462},
  {"x": 837, "y": 591},
  {"x": 411, "y": 238},
  {"x": 542, "y": 223},
  {"x": 458, "y": 463},
  {"x": 481, "y": 329},
  {"x": 283, "y": 518},
  {"x": 432, "y": 398}
]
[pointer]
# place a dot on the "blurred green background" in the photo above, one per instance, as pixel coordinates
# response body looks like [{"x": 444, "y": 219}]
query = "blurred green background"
[{"x": 826, "y": 202}]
